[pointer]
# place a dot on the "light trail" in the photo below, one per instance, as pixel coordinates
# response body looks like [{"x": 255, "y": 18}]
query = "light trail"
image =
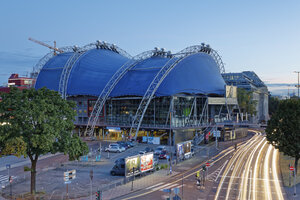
[
  {"x": 232, "y": 161},
  {"x": 249, "y": 196},
  {"x": 266, "y": 174},
  {"x": 275, "y": 176},
  {"x": 226, "y": 171},
  {"x": 248, "y": 164},
  {"x": 255, "y": 170}
]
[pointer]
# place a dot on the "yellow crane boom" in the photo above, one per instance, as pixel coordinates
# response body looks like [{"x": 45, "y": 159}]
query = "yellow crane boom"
[{"x": 46, "y": 45}]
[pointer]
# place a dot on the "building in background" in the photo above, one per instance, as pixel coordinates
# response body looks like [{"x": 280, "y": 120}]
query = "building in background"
[
  {"x": 19, "y": 82},
  {"x": 249, "y": 81}
]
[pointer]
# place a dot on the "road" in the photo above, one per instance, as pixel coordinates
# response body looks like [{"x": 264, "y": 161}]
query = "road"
[
  {"x": 248, "y": 172},
  {"x": 252, "y": 173}
]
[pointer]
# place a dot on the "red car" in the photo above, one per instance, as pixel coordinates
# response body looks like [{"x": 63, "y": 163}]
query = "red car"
[{"x": 163, "y": 155}]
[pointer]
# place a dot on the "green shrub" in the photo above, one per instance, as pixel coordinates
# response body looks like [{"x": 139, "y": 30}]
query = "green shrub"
[{"x": 27, "y": 169}]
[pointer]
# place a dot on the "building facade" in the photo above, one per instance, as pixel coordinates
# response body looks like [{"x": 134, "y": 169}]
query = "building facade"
[
  {"x": 155, "y": 93},
  {"x": 249, "y": 81}
]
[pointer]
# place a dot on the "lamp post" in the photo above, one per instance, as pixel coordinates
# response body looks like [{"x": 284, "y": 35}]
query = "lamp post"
[
  {"x": 170, "y": 137},
  {"x": 298, "y": 81},
  {"x": 170, "y": 144}
]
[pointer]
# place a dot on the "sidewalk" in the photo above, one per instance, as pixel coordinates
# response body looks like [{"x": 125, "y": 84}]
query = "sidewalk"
[
  {"x": 290, "y": 192},
  {"x": 26, "y": 161}
]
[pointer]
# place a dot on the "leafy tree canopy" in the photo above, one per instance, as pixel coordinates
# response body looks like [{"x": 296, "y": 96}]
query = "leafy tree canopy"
[
  {"x": 283, "y": 130},
  {"x": 273, "y": 104},
  {"x": 246, "y": 102},
  {"x": 37, "y": 122}
]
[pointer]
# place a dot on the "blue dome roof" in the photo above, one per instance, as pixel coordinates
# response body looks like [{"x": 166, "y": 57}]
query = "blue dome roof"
[
  {"x": 195, "y": 74},
  {"x": 93, "y": 70},
  {"x": 49, "y": 75},
  {"x": 89, "y": 74}
]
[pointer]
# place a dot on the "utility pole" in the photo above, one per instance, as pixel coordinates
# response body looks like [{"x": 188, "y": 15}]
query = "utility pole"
[
  {"x": 91, "y": 178},
  {"x": 170, "y": 136},
  {"x": 298, "y": 81},
  {"x": 132, "y": 179},
  {"x": 295, "y": 193},
  {"x": 170, "y": 143}
]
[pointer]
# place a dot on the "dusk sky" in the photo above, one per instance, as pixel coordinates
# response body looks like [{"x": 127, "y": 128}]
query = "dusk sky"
[{"x": 259, "y": 36}]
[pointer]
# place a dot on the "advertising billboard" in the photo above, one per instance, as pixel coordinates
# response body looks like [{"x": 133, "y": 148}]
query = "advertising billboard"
[
  {"x": 184, "y": 149},
  {"x": 130, "y": 163},
  {"x": 146, "y": 162},
  {"x": 187, "y": 147},
  {"x": 180, "y": 153}
]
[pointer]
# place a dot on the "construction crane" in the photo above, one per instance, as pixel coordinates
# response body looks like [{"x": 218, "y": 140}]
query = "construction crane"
[{"x": 46, "y": 45}]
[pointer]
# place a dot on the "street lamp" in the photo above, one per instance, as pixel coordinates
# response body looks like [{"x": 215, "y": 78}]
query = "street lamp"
[{"x": 298, "y": 81}]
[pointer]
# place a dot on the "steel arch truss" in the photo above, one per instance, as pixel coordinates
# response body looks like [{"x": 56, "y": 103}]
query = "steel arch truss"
[
  {"x": 163, "y": 73},
  {"x": 104, "y": 45},
  {"x": 64, "y": 77},
  {"x": 37, "y": 68},
  {"x": 78, "y": 52},
  {"x": 205, "y": 49},
  {"x": 111, "y": 85},
  {"x": 148, "y": 96}
]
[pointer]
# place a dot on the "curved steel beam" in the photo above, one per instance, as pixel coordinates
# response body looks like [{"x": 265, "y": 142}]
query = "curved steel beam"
[
  {"x": 205, "y": 49},
  {"x": 110, "y": 86},
  {"x": 65, "y": 74},
  {"x": 148, "y": 96},
  {"x": 79, "y": 52},
  {"x": 37, "y": 68},
  {"x": 47, "y": 57},
  {"x": 104, "y": 45}
]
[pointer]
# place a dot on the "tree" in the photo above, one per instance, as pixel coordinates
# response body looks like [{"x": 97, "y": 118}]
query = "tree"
[
  {"x": 37, "y": 122},
  {"x": 273, "y": 105},
  {"x": 246, "y": 102},
  {"x": 283, "y": 130}
]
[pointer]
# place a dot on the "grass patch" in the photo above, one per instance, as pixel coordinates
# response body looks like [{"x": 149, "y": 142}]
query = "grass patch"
[
  {"x": 284, "y": 168},
  {"x": 39, "y": 195}
]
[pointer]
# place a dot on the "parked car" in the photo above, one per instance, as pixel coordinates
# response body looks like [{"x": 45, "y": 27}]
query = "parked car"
[
  {"x": 163, "y": 155},
  {"x": 113, "y": 144},
  {"x": 123, "y": 144},
  {"x": 148, "y": 149},
  {"x": 131, "y": 144},
  {"x": 115, "y": 148},
  {"x": 159, "y": 149}
]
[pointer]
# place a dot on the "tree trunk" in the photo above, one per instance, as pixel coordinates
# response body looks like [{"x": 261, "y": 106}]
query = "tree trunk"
[
  {"x": 296, "y": 165},
  {"x": 33, "y": 176}
]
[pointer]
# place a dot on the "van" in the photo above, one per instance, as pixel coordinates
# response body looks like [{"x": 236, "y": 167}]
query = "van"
[{"x": 118, "y": 169}]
